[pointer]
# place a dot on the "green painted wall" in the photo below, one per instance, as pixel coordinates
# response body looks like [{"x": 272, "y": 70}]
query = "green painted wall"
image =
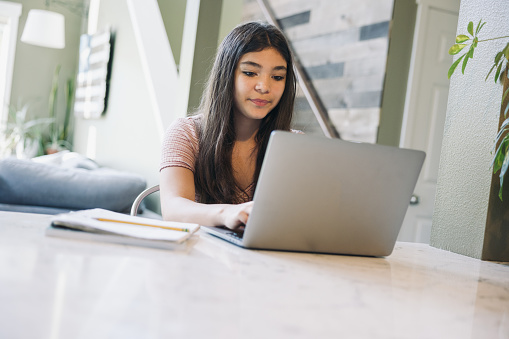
[
  {"x": 34, "y": 66},
  {"x": 398, "y": 65},
  {"x": 173, "y": 13}
]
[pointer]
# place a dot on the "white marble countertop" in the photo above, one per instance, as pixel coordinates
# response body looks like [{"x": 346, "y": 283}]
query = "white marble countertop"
[{"x": 59, "y": 288}]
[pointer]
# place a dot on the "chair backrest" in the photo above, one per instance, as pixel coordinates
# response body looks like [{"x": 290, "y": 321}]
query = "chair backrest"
[{"x": 141, "y": 196}]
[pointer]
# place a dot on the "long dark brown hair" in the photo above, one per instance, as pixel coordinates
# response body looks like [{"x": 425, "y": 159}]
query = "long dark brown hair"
[{"x": 214, "y": 179}]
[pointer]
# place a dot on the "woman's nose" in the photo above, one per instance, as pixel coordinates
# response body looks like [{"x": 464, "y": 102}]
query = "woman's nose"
[{"x": 263, "y": 85}]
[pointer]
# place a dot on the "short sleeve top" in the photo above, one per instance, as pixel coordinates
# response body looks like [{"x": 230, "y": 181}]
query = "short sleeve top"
[
  {"x": 180, "y": 144},
  {"x": 180, "y": 149}
]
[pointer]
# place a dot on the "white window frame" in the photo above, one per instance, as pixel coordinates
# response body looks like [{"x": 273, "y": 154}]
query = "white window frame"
[{"x": 12, "y": 12}]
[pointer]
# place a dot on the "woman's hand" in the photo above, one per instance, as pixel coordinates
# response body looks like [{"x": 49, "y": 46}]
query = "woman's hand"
[
  {"x": 236, "y": 215},
  {"x": 177, "y": 202}
]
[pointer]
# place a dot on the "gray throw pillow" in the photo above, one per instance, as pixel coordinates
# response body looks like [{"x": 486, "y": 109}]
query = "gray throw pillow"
[{"x": 25, "y": 182}]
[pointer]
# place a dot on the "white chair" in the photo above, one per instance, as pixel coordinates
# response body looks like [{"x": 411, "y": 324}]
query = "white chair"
[{"x": 141, "y": 196}]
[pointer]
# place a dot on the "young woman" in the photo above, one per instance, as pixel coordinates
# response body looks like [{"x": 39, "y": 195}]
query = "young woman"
[{"x": 211, "y": 161}]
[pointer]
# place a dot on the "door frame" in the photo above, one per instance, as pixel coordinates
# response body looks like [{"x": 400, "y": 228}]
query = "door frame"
[
  {"x": 416, "y": 62},
  {"x": 412, "y": 112}
]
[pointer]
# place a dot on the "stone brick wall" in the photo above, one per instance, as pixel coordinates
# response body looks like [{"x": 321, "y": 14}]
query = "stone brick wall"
[{"x": 342, "y": 46}]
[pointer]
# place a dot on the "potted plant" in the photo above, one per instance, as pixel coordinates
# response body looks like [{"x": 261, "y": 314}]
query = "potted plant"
[
  {"x": 22, "y": 134},
  {"x": 59, "y": 134},
  {"x": 500, "y": 67}
]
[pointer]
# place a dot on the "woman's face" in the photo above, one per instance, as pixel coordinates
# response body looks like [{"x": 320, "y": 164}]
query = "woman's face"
[{"x": 260, "y": 79}]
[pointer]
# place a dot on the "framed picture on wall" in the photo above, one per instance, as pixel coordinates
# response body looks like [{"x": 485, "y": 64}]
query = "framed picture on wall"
[{"x": 92, "y": 83}]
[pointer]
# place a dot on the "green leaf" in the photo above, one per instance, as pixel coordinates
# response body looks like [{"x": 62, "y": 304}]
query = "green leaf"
[
  {"x": 504, "y": 125},
  {"x": 506, "y": 110},
  {"x": 484, "y": 23},
  {"x": 499, "y": 68},
  {"x": 462, "y": 38},
  {"x": 491, "y": 70},
  {"x": 505, "y": 51},
  {"x": 503, "y": 170},
  {"x": 474, "y": 43},
  {"x": 470, "y": 28},
  {"x": 455, "y": 49},
  {"x": 37, "y": 122},
  {"x": 477, "y": 28},
  {"x": 500, "y": 155},
  {"x": 465, "y": 61},
  {"x": 501, "y": 75},
  {"x": 505, "y": 94},
  {"x": 504, "y": 128},
  {"x": 54, "y": 93},
  {"x": 498, "y": 56},
  {"x": 453, "y": 66},
  {"x": 502, "y": 136}
]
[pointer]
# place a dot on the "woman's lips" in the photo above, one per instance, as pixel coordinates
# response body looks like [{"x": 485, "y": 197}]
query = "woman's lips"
[{"x": 259, "y": 102}]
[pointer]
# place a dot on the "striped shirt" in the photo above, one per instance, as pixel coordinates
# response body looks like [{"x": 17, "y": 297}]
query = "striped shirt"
[{"x": 181, "y": 146}]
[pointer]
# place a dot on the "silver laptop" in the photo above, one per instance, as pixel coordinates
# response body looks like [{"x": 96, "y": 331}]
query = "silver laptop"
[{"x": 322, "y": 195}]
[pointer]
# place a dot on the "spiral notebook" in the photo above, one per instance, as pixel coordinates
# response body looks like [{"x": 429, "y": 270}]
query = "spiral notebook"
[{"x": 107, "y": 226}]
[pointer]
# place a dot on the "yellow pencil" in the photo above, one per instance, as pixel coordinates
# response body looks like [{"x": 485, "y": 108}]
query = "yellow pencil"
[{"x": 139, "y": 224}]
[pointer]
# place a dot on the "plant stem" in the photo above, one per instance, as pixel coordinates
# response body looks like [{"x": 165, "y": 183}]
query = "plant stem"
[
  {"x": 500, "y": 37},
  {"x": 53, "y": 100}
]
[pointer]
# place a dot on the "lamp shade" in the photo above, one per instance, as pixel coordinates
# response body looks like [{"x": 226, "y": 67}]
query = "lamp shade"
[{"x": 44, "y": 28}]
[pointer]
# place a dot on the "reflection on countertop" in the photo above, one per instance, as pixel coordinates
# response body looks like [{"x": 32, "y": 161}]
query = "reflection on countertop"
[{"x": 208, "y": 288}]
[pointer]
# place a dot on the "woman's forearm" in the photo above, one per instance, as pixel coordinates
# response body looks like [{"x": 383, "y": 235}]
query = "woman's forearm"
[
  {"x": 184, "y": 210},
  {"x": 177, "y": 192}
]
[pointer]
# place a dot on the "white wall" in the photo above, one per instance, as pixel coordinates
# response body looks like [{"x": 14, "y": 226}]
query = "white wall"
[
  {"x": 471, "y": 125},
  {"x": 126, "y": 137}
]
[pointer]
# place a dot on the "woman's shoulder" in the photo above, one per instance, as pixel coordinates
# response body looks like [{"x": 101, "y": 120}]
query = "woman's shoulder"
[
  {"x": 183, "y": 131},
  {"x": 187, "y": 122},
  {"x": 185, "y": 125}
]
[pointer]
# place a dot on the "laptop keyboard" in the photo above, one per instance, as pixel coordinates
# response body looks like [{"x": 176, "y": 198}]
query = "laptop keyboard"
[{"x": 234, "y": 234}]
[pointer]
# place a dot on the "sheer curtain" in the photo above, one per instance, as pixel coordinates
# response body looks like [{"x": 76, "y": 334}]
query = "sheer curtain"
[
  {"x": 9, "y": 17},
  {"x": 3, "y": 61}
]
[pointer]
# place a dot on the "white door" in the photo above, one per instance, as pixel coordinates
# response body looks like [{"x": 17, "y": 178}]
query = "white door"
[{"x": 425, "y": 111}]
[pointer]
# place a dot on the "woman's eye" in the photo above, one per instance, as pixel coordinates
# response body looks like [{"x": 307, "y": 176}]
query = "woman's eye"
[
  {"x": 278, "y": 77},
  {"x": 249, "y": 74}
]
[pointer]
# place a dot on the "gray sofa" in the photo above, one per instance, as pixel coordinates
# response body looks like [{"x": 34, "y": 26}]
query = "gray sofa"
[{"x": 65, "y": 182}]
